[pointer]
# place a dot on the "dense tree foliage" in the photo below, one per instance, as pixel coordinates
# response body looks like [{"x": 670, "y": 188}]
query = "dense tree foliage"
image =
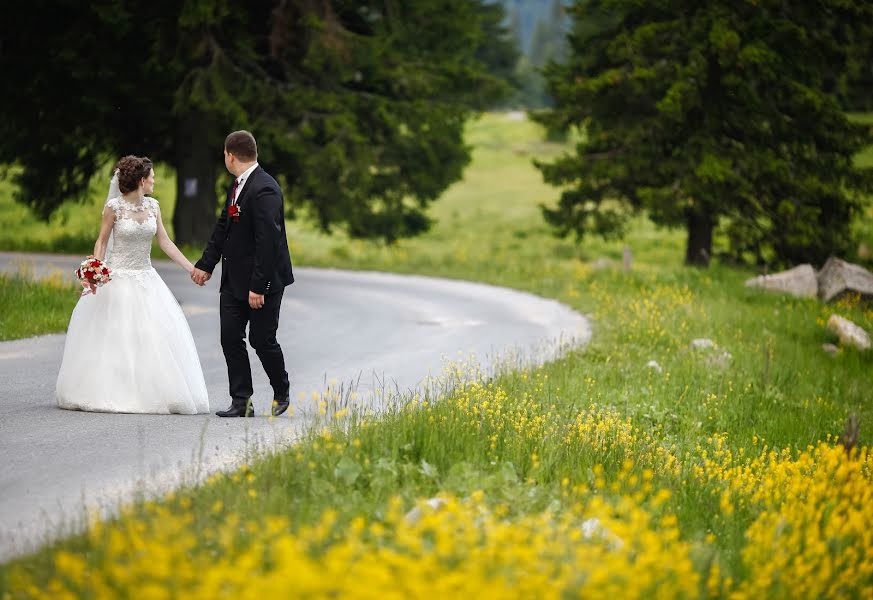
[
  {"x": 358, "y": 105},
  {"x": 712, "y": 115}
]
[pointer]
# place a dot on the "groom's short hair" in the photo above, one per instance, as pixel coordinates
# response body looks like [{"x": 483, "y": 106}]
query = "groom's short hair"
[{"x": 242, "y": 144}]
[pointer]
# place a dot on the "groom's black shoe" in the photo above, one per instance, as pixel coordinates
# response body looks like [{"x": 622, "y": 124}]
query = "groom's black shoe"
[
  {"x": 280, "y": 406},
  {"x": 238, "y": 409}
]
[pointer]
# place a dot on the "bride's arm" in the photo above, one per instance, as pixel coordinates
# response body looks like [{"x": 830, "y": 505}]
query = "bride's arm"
[
  {"x": 170, "y": 248},
  {"x": 105, "y": 231}
]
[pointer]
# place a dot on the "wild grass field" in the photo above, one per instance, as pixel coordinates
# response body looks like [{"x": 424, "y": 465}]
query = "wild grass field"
[{"x": 717, "y": 473}]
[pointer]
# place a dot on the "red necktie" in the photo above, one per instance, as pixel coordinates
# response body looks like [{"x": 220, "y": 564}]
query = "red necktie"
[{"x": 233, "y": 193}]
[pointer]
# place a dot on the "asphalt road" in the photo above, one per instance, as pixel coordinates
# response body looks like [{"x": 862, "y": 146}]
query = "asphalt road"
[{"x": 376, "y": 329}]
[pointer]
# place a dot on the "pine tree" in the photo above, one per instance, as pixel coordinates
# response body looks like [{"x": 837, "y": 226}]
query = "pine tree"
[
  {"x": 499, "y": 50},
  {"x": 358, "y": 106},
  {"x": 711, "y": 115}
]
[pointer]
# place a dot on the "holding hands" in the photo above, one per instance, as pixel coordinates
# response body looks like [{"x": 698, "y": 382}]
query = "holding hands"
[{"x": 200, "y": 277}]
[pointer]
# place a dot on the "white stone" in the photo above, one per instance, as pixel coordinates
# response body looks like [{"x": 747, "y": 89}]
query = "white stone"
[
  {"x": 653, "y": 364},
  {"x": 849, "y": 333},
  {"x": 435, "y": 503},
  {"x": 413, "y": 516},
  {"x": 799, "y": 281},
  {"x": 592, "y": 528}
]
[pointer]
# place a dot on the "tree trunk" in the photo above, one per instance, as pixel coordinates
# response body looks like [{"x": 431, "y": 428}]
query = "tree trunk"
[
  {"x": 699, "y": 247},
  {"x": 196, "y": 167}
]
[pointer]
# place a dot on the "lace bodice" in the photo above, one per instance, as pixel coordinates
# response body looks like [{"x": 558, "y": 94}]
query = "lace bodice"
[{"x": 135, "y": 227}]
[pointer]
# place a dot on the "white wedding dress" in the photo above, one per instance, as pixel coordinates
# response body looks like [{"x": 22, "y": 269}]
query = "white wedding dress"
[{"x": 129, "y": 348}]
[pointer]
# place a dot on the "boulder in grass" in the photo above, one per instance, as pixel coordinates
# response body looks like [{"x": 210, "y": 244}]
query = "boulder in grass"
[
  {"x": 799, "y": 281},
  {"x": 849, "y": 333},
  {"x": 838, "y": 278}
]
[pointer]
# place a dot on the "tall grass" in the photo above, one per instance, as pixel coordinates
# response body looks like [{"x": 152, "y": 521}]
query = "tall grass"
[{"x": 29, "y": 307}]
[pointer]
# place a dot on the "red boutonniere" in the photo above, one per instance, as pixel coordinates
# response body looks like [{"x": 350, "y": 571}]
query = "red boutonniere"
[{"x": 234, "y": 212}]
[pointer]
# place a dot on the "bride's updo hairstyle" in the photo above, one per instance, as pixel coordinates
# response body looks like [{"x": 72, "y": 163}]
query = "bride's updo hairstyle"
[{"x": 130, "y": 170}]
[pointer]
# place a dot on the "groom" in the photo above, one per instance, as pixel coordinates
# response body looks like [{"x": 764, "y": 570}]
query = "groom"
[{"x": 249, "y": 238}]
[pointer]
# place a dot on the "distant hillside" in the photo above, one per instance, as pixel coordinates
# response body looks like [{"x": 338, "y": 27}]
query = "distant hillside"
[
  {"x": 525, "y": 15},
  {"x": 539, "y": 28}
]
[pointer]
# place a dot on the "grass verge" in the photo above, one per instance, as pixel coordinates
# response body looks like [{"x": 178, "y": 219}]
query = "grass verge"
[{"x": 29, "y": 308}]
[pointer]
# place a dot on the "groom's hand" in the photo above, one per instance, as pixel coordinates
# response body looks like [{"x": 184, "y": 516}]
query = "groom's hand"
[
  {"x": 200, "y": 277},
  {"x": 256, "y": 301}
]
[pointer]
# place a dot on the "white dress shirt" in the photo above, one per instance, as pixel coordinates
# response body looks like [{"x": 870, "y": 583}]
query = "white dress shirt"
[{"x": 242, "y": 181}]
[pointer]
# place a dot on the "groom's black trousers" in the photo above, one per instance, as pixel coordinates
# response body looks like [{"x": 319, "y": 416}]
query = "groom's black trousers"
[{"x": 263, "y": 322}]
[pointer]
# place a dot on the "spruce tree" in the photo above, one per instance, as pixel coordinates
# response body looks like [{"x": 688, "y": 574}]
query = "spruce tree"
[
  {"x": 711, "y": 115},
  {"x": 358, "y": 105}
]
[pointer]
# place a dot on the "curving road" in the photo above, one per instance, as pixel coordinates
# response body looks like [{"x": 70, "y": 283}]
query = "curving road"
[{"x": 372, "y": 328}]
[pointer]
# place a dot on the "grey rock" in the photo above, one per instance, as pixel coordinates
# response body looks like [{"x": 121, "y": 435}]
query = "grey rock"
[
  {"x": 838, "y": 278},
  {"x": 799, "y": 281},
  {"x": 849, "y": 333}
]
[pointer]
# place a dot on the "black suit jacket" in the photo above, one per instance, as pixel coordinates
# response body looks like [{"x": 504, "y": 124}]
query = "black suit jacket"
[{"x": 254, "y": 250}]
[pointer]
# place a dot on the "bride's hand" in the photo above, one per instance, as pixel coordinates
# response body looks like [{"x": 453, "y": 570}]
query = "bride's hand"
[{"x": 200, "y": 277}]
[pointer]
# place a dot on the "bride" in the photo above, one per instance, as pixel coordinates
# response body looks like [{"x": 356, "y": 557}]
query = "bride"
[{"x": 129, "y": 348}]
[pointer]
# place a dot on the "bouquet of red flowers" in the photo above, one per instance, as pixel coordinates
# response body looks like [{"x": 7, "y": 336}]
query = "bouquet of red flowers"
[{"x": 93, "y": 273}]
